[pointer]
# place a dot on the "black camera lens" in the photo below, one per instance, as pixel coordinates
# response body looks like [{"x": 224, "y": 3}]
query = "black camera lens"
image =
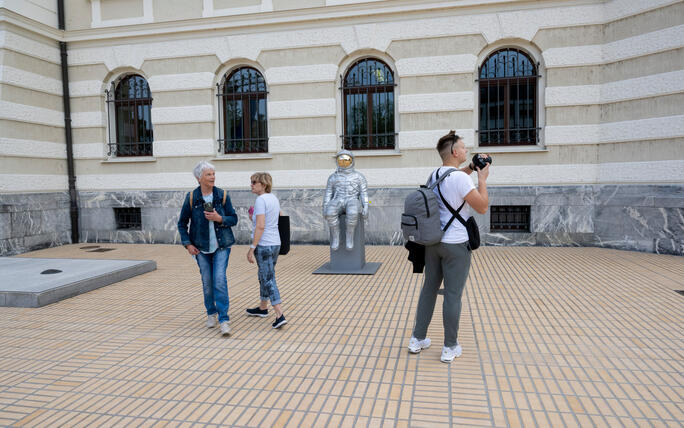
[{"x": 480, "y": 162}]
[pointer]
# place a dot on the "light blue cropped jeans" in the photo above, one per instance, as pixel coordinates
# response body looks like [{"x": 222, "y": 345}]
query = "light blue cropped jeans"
[{"x": 266, "y": 257}]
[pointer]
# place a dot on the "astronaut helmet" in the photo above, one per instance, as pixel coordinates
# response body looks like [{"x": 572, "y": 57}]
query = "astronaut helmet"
[{"x": 344, "y": 160}]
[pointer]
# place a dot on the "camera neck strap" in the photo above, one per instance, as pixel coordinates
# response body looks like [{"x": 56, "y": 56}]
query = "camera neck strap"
[{"x": 454, "y": 213}]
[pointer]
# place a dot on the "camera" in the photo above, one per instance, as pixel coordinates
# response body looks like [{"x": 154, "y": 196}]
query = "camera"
[
  {"x": 208, "y": 206},
  {"x": 479, "y": 162}
]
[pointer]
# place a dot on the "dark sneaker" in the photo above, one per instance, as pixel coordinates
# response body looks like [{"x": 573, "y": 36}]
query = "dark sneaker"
[
  {"x": 257, "y": 312},
  {"x": 280, "y": 321}
]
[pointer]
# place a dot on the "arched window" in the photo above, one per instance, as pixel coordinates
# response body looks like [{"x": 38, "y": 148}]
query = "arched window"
[
  {"x": 132, "y": 117},
  {"x": 508, "y": 99},
  {"x": 368, "y": 106},
  {"x": 242, "y": 100}
]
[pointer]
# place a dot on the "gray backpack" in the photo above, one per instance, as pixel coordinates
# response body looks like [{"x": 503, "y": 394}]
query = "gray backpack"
[{"x": 420, "y": 220}]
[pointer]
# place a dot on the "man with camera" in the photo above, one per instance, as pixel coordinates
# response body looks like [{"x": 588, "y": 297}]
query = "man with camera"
[{"x": 449, "y": 260}]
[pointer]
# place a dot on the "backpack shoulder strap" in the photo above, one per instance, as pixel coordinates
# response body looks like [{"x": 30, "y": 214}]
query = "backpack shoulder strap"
[
  {"x": 190, "y": 198},
  {"x": 439, "y": 179},
  {"x": 225, "y": 194}
]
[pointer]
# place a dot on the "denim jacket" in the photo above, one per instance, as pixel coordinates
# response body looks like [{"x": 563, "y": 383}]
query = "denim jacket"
[{"x": 199, "y": 226}]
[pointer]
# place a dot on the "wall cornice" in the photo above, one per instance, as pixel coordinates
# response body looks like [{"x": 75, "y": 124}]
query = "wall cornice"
[
  {"x": 9, "y": 17},
  {"x": 346, "y": 14}
]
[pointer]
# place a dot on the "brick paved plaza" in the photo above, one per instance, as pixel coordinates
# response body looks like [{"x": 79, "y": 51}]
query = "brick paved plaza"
[{"x": 551, "y": 337}]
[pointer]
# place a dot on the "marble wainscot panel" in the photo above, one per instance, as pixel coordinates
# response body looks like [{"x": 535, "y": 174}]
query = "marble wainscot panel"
[
  {"x": 31, "y": 221},
  {"x": 644, "y": 218},
  {"x": 634, "y": 217}
]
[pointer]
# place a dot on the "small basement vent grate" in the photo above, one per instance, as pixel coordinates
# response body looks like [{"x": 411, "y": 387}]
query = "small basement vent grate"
[
  {"x": 510, "y": 218},
  {"x": 50, "y": 271},
  {"x": 89, "y": 247},
  {"x": 101, "y": 250},
  {"x": 128, "y": 218}
]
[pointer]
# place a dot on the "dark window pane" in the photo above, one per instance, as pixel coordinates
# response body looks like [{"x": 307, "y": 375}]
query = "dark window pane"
[
  {"x": 245, "y": 119},
  {"x": 508, "y": 108},
  {"x": 132, "y": 114},
  {"x": 368, "y": 96}
]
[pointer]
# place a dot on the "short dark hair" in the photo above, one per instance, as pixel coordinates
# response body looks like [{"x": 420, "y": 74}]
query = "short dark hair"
[{"x": 445, "y": 143}]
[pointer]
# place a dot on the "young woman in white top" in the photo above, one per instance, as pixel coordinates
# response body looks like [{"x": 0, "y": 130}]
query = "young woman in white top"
[{"x": 265, "y": 247}]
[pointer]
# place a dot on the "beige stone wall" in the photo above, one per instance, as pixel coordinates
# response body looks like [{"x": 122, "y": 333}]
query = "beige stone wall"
[
  {"x": 32, "y": 143},
  {"x": 611, "y": 90}
]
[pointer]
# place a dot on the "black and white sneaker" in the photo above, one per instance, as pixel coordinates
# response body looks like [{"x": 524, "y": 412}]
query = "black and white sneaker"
[
  {"x": 257, "y": 312},
  {"x": 280, "y": 321}
]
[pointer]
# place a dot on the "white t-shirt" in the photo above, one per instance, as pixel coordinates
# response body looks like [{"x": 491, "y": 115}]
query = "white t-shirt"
[
  {"x": 213, "y": 243},
  {"x": 268, "y": 205},
  {"x": 454, "y": 188}
]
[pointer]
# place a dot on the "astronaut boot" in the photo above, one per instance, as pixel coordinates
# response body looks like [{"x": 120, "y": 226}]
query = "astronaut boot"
[
  {"x": 350, "y": 237},
  {"x": 334, "y": 237}
]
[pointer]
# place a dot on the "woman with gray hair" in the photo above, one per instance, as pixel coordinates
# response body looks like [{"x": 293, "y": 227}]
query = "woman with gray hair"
[{"x": 211, "y": 215}]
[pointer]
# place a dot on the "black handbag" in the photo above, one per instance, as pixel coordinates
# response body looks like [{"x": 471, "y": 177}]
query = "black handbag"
[
  {"x": 470, "y": 224},
  {"x": 284, "y": 232}
]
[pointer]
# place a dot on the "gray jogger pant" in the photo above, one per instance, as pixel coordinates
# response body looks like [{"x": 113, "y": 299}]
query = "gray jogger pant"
[{"x": 450, "y": 262}]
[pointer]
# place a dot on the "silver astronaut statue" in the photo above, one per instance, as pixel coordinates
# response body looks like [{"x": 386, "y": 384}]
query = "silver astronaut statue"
[{"x": 346, "y": 193}]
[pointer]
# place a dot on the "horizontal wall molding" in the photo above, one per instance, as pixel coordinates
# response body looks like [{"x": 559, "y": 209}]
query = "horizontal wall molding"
[
  {"x": 412, "y": 140},
  {"x": 301, "y": 74},
  {"x": 15, "y": 183},
  {"x": 28, "y": 80},
  {"x": 319, "y": 107},
  {"x": 185, "y": 114},
  {"x": 631, "y": 130},
  {"x": 612, "y": 92},
  {"x": 620, "y": 50},
  {"x": 559, "y": 174},
  {"x": 26, "y": 46},
  {"x": 303, "y": 144},
  {"x": 181, "y": 82},
  {"x": 181, "y": 148},
  {"x": 31, "y": 114},
  {"x": 437, "y": 65},
  {"x": 446, "y": 101},
  {"x": 13, "y": 147},
  {"x": 88, "y": 119}
]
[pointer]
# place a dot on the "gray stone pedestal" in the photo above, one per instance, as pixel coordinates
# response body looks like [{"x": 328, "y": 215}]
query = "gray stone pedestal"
[{"x": 349, "y": 262}]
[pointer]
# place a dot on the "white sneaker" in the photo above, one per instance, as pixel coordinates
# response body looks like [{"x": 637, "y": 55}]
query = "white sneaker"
[
  {"x": 448, "y": 354},
  {"x": 416, "y": 345},
  {"x": 225, "y": 328},
  {"x": 211, "y": 321}
]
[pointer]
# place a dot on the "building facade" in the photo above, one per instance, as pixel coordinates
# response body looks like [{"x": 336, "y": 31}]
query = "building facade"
[{"x": 580, "y": 104}]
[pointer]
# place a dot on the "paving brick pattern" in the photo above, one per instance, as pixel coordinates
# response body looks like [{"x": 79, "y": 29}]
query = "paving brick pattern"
[{"x": 551, "y": 336}]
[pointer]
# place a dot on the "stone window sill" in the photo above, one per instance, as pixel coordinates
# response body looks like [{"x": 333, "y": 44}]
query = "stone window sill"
[
  {"x": 243, "y": 156},
  {"x": 509, "y": 149},
  {"x": 372, "y": 153},
  {"x": 134, "y": 159}
]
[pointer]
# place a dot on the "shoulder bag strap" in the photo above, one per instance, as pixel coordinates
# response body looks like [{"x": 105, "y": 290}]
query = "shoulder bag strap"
[{"x": 454, "y": 213}]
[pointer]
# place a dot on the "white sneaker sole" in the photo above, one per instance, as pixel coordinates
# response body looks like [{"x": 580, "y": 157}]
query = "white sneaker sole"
[
  {"x": 280, "y": 324},
  {"x": 256, "y": 315},
  {"x": 417, "y": 351}
]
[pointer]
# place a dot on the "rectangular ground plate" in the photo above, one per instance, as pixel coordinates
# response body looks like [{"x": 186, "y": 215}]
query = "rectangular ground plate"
[{"x": 33, "y": 282}]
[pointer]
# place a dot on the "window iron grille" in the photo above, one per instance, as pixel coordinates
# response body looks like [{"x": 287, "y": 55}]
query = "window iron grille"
[
  {"x": 131, "y": 102},
  {"x": 510, "y": 218},
  {"x": 128, "y": 218},
  {"x": 368, "y": 106},
  {"x": 242, "y": 100},
  {"x": 508, "y": 99}
]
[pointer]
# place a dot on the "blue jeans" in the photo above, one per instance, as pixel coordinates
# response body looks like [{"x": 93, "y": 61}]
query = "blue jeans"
[
  {"x": 266, "y": 257},
  {"x": 214, "y": 285}
]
